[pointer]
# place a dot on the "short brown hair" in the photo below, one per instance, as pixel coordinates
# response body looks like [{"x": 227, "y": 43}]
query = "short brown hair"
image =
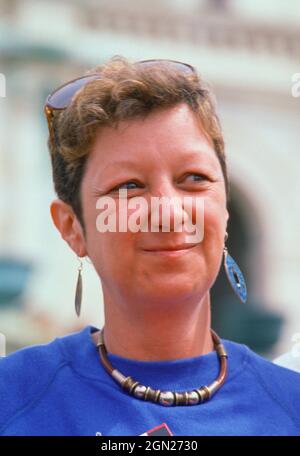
[{"x": 125, "y": 91}]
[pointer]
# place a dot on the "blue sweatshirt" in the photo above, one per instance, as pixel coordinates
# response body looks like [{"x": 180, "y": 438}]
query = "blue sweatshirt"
[{"x": 61, "y": 388}]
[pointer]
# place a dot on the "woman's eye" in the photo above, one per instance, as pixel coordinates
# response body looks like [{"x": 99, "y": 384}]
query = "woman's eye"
[
  {"x": 200, "y": 176},
  {"x": 133, "y": 185},
  {"x": 118, "y": 187}
]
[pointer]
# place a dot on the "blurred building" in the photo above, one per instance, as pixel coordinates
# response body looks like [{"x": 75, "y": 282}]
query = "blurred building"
[{"x": 248, "y": 52}]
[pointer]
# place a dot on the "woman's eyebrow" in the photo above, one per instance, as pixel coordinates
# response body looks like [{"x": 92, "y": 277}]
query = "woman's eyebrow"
[
  {"x": 114, "y": 165},
  {"x": 196, "y": 154},
  {"x": 121, "y": 164},
  {"x": 192, "y": 155}
]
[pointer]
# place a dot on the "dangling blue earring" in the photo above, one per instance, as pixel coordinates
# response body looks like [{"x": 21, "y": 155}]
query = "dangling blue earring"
[{"x": 234, "y": 275}]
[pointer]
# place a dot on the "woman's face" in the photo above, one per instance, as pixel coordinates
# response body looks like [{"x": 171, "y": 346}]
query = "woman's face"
[{"x": 168, "y": 155}]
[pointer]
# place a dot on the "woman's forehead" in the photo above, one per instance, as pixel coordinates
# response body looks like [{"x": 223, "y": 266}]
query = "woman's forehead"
[
  {"x": 173, "y": 125},
  {"x": 161, "y": 140}
]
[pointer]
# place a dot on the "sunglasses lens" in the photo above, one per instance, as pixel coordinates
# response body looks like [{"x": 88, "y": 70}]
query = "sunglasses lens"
[
  {"x": 61, "y": 98},
  {"x": 63, "y": 95},
  {"x": 171, "y": 63}
]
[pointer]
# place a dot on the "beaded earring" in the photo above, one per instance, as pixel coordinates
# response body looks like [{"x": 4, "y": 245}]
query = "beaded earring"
[{"x": 234, "y": 275}]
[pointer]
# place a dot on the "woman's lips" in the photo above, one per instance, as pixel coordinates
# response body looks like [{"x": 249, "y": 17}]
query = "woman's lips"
[{"x": 171, "y": 252}]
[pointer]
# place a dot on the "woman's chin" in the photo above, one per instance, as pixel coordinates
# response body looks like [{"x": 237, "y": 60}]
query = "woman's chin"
[{"x": 171, "y": 290}]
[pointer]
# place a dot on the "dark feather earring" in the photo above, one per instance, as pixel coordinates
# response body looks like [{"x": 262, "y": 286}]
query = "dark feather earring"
[
  {"x": 234, "y": 275},
  {"x": 78, "y": 294}
]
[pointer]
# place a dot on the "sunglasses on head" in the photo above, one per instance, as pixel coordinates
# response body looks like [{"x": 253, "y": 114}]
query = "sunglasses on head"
[{"x": 61, "y": 97}]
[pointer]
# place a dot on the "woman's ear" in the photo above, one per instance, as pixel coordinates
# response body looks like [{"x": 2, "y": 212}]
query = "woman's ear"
[{"x": 68, "y": 225}]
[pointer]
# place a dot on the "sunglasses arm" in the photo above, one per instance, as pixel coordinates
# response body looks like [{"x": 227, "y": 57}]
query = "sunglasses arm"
[{"x": 48, "y": 111}]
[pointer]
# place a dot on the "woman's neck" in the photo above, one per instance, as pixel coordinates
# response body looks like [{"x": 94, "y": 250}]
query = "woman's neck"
[{"x": 179, "y": 335}]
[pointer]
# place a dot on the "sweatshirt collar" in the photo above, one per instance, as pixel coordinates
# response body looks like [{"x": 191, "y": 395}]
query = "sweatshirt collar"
[{"x": 185, "y": 373}]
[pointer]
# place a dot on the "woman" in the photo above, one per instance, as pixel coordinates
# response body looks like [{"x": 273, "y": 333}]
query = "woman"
[{"x": 127, "y": 133}]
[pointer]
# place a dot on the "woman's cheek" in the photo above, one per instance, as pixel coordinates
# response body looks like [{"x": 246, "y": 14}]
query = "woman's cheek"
[{"x": 214, "y": 216}]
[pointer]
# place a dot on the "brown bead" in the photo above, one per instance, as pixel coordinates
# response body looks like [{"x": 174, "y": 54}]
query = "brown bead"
[
  {"x": 128, "y": 383},
  {"x": 186, "y": 397},
  {"x": 202, "y": 394},
  {"x": 176, "y": 401},
  {"x": 207, "y": 396},
  {"x": 146, "y": 398},
  {"x": 151, "y": 394},
  {"x": 157, "y": 394},
  {"x": 180, "y": 399},
  {"x": 133, "y": 387}
]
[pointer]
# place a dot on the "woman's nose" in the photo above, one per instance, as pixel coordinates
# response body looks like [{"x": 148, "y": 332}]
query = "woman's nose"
[{"x": 167, "y": 209}]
